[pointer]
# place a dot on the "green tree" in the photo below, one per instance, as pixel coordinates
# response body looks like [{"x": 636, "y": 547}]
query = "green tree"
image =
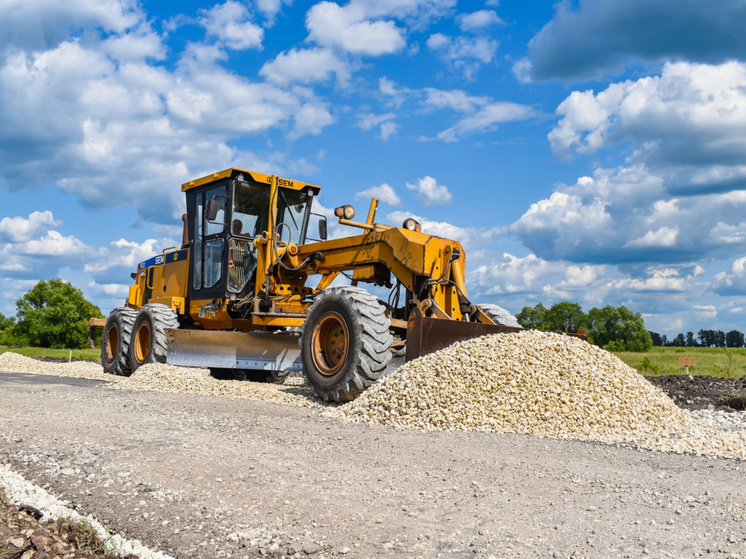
[
  {"x": 533, "y": 317},
  {"x": 734, "y": 338},
  {"x": 53, "y": 314},
  {"x": 565, "y": 317},
  {"x": 5, "y": 322},
  {"x": 601, "y": 324},
  {"x": 618, "y": 329}
]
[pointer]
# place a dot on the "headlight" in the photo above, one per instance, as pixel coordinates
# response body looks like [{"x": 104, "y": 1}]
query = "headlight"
[
  {"x": 346, "y": 212},
  {"x": 412, "y": 225}
]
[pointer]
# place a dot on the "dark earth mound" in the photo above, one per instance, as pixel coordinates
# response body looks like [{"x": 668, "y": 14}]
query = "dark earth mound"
[{"x": 700, "y": 392}]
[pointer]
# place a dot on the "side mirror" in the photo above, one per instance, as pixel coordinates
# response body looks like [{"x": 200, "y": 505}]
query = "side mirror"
[
  {"x": 213, "y": 207},
  {"x": 322, "y": 229}
]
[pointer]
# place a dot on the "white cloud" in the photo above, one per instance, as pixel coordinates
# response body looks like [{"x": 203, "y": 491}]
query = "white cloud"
[
  {"x": 690, "y": 118},
  {"x": 522, "y": 70},
  {"x": 38, "y": 24},
  {"x": 429, "y": 192},
  {"x": 395, "y": 95},
  {"x": 305, "y": 66},
  {"x": 109, "y": 289},
  {"x": 123, "y": 253},
  {"x": 706, "y": 311},
  {"x": 465, "y": 54},
  {"x": 486, "y": 119},
  {"x": 91, "y": 116},
  {"x": 510, "y": 274},
  {"x": 482, "y": 114},
  {"x": 478, "y": 20},
  {"x": 384, "y": 193},
  {"x": 270, "y": 8},
  {"x": 19, "y": 229},
  {"x": 454, "y": 99},
  {"x": 652, "y": 284},
  {"x": 681, "y": 195},
  {"x": 387, "y": 129},
  {"x": 229, "y": 24},
  {"x": 347, "y": 28},
  {"x": 136, "y": 45},
  {"x": 663, "y": 237},
  {"x": 369, "y": 27},
  {"x": 53, "y": 244}
]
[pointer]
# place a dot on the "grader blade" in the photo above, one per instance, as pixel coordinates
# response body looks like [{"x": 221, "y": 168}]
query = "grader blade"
[
  {"x": 234, "y": 350},
  {"x": 426, "y": 335}
]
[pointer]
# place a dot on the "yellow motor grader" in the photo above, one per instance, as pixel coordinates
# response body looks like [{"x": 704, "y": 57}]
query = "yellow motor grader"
[{"x": 236, "y": 296}]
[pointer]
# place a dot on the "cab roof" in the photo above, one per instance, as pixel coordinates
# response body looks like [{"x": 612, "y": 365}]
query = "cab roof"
[{"x": 258, "y": 177}]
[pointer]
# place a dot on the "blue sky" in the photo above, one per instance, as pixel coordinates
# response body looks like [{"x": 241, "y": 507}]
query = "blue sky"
[{"x": 591, "y": 151}]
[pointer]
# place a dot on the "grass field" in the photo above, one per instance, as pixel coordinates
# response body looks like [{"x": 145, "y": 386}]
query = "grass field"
[
  {"x": 715, "y": 362},
  {"x": 77, "y": 354}
]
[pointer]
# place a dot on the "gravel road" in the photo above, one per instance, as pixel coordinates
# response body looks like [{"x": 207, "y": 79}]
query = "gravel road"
[{"x": 201, "y": 477}]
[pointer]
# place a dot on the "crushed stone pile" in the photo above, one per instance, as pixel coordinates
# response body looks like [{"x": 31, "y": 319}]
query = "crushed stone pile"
[
  {"x": 188, "y": 380},
  {"x": 15, "y": 363},
  {"x": 541, "y": 384}
]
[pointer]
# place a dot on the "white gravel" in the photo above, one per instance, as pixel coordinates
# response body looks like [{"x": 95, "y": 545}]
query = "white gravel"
[
  {"x": 15, "y": 363},
  {"x": 19, "y": 491},
  {"x": 541, "y": 384}
]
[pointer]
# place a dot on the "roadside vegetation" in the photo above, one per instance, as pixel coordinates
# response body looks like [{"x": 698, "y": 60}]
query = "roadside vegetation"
[{"x": 709, "y": 361}]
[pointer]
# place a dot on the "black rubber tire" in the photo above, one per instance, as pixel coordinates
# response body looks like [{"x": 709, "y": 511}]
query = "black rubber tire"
[
  {"x": 252, "y": 375},
  {"x": 500, "y": 315},
  {"x": 273, "y": 377},
  {"x": 227, "y": 374},
  {"x": 149, "y": 344},
  {"x": 115, "y": 341},
  {"x": 368, "y": 341}
]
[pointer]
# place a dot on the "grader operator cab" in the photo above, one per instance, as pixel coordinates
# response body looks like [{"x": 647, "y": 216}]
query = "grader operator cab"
[{"x": 236, "y": 297}]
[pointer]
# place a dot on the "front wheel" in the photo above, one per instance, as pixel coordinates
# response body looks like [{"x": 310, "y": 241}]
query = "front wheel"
[
  {"x": 149, "y": 344},
  {"x": 345, "y": 346}
]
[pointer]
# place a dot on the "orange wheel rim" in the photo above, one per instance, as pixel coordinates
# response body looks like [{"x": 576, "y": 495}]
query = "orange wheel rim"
[
  {"x": 330, "y": 343},
  {"x": 142, "y": 342},
  {"x": 112, "y": 342}
]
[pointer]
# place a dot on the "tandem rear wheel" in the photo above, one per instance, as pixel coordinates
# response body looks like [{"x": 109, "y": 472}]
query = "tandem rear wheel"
[
  {"x": 115, "y": 341},
  {"x": 149, "y": 344}
]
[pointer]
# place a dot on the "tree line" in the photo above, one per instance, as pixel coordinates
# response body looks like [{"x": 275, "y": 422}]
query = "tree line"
[
  {"x": 703, "y": 338},
  {"x": 614, "y": 329}
]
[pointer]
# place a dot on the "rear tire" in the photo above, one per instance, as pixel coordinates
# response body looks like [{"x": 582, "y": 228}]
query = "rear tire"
[
  {"x": 115, "y": 341},
  {"x": 345, "y": 343},
  {"x": 149, "y": 344}
]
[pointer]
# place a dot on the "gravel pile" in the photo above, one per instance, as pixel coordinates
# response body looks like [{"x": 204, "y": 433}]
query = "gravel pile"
[
  {"x": 187, "y": 380},
  {"x": 15, "y": 363},
  {"x": 541, "y": 384}
]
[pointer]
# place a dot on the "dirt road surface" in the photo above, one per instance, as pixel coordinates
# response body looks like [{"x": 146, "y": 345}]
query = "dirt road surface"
[{"x": 203, "y": 477}]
